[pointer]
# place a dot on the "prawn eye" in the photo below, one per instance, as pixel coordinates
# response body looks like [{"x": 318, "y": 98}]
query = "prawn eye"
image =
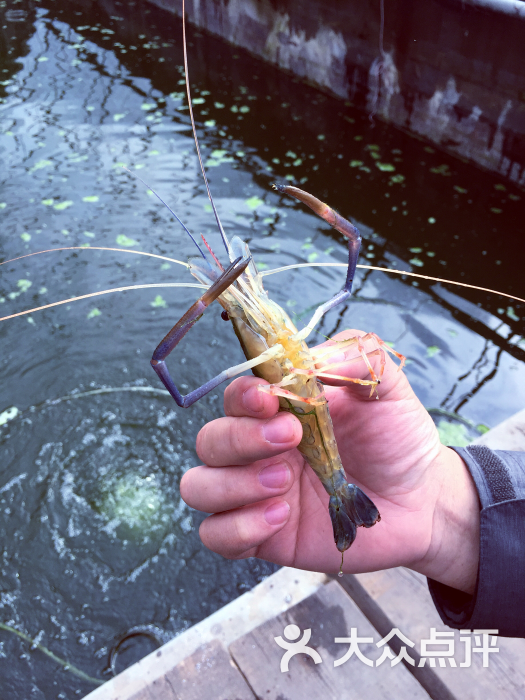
[{"x": 224, "y": 315}]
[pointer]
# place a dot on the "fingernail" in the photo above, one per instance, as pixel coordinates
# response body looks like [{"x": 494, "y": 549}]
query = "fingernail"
[
  {"x": 253, "y": 400},
  {"x": 278, "y": 430},
  {"x": 277, "y": 513},
  {"x": 274, "y": 476}
]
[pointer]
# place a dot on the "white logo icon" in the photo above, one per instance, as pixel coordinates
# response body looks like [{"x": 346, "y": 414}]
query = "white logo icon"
[{"x": 292, "y": 632}]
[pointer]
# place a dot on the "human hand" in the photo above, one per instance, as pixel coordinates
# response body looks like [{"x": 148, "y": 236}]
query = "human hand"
[{"x": 268, "y": 503}]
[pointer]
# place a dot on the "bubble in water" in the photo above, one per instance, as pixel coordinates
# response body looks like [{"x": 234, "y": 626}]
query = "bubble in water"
[{"x": 136, "y": 502}]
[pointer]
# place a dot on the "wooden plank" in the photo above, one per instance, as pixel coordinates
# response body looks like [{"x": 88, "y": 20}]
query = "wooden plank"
[
  {"x": 329, "y": 613},
  {"x": 423, "y": 674},
  {"x": 208, "y": 673},
  {"x": 403, "y": 596},
  {"x": 508, "y": 435}
]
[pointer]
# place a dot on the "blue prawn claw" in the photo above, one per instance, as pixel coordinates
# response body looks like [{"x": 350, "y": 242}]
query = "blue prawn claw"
[{"x": 349, "y": 509}]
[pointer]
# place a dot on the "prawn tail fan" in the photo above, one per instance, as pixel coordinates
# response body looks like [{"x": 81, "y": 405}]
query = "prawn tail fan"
[{"x": 349, "y": 509}]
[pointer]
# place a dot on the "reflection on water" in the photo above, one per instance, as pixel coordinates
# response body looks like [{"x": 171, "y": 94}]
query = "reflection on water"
[{"x": 96, "y": 540}]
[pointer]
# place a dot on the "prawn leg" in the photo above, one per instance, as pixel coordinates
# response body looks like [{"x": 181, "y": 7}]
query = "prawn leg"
[
  {"x": 179, "y": 330},
  {"x": 354, "y": 244}
]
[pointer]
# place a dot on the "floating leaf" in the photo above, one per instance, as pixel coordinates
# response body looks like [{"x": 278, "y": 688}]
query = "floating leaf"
[
  {"x": 429, "y": 150},
  {"x": 94, "y": 313},
  {"x": 159, "y": 302},
  {"x": 208, "y": 207},
  {"x": 89, "y": 234},
  {"x": 441, "y": 170},
  {"x": 210, "y": 123},
  {"x": 416, "y": 250},
  {"x": 23, "y": 285},
  {"x": 321, "y": 137},
  {"x": 90, "y": 198},
  {"x": 165, "y": 266},
  {"x": 25, "y": 237},
  {"x": 125, "y": 242},
  {"x": 48, "y": 202},
  {"x": 433, "y": 350},
  {"x": 262, "y": 266},
  {"x": 146, "y": 106},
  {"x": 312, "y": 257},
  {"x": 397, "y": 178},
  {"x": 218, "y": 153},
  {"x": 219, "y": 105},
  {"x": 8, "y": 414},
  {"x": 453, "y": 434},
  {"x": 372, "y": 147},
  {"x": 385, "y": 167},
  {"x": 154, "y": 153},
  {"x": 431, "y": 220},
  {"x": 254, "y": 202},
  {"x": 459, "y": 189},
  {"x": 41, "y": 59},
  {"x": 514, "y": 197},
  {"x": 199, "y": 101},
  {"x": 482, "y": 428},
  {"x": 501, "y": 188},
  {"x": 118, "y": 117},
  {"x": 63, "y": 205},
  {"x": 512, "y": 314},
  {"x": 41, "y": 164},
  {"x": 244, "y": 109},
  {"x": 416, "y": 261},
  {"x": 495, "y": 210},
  {"x": 355, "y": 163}
]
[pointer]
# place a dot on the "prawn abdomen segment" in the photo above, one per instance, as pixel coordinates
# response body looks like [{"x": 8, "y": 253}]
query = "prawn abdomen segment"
[{"x": 349, "y": 507}]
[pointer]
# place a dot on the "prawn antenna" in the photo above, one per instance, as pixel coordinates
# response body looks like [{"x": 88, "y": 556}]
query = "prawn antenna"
[
  {"x": 168, "y": 208},
  {"x": 190, "y": 105}
]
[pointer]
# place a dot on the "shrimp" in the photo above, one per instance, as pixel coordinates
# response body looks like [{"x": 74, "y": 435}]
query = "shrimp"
[{"x": 277, "y": 352}]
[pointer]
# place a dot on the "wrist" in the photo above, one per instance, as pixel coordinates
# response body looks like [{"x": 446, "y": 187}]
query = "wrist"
[{"x": 453, "y": 554}]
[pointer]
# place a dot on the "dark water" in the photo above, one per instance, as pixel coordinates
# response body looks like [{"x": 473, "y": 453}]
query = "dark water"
[{"x": 95, "y": 539}]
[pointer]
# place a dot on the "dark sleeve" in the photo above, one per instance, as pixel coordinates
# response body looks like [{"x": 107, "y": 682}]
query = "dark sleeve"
[{"x": 499, "y": 599}]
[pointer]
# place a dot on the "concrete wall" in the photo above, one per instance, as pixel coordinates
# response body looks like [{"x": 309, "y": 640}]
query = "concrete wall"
[{"x": 451, "y": 71}]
